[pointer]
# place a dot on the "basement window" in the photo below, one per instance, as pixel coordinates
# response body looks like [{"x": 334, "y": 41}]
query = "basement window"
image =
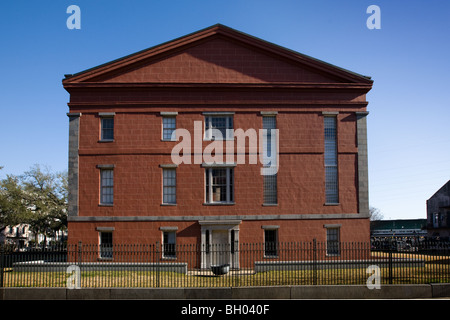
[
  {"x": 106, "y": 244},
  {"x": 270, "y": 242},
  {"x": 169, "y": 244},
  {"x": 333, "y": 238}
]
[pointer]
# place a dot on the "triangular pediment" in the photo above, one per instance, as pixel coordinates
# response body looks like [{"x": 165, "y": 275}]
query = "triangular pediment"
[{"x": 218, "y": 55}]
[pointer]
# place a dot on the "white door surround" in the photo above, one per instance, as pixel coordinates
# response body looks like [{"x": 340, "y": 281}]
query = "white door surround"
[{"x": 219, "y": 243}]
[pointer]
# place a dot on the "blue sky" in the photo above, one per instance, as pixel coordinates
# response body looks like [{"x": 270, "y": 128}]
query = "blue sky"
[{"x": 408, "y": 125}]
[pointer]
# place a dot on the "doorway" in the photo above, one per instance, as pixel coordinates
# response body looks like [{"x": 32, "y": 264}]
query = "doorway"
[
  {"x": 220, "y": 247},
  {"x": 219, "y": 242}
]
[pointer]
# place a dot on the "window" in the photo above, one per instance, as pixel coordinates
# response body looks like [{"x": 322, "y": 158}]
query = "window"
[
  {"x": 169, "y": 244},
  {"x": 169, "y": 186},
  {"x": 331, "y": 165},
  {"x": 270, "y": 179},
  {"x": 333, "y": 241},
  {"x": 270, "y": 189},
  {"x": 106, "y": 245},
  {"x": 107, "y": 126},
  {"x": 169, "y": 126},
  {"x": 270, "y": 242},
  {"x": 269, "y": 123},
  {"x": 219, "y": 185},
  {"x": 106, "y": 186},
  {"x": 218, "y": 127}
]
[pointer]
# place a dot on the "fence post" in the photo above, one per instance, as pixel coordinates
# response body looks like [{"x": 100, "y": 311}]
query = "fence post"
[
  {"x": 79, "y": 258},
  {"x": 157, "y": 264},
  {"x": 390, "y": 263},
  {"x": 314, "y": 261},
  {"x": 2, "y": 263}
]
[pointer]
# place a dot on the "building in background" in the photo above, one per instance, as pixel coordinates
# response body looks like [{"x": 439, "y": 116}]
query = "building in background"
[
  {"x": 438, "y": 213},
  {"x": 398, "y": 228},
  {"x": 126, "y": 188},
  {"x": 403, "y": 233},
  {"x": 21, "y": 237},
  {"x": 18, "y": 235}
]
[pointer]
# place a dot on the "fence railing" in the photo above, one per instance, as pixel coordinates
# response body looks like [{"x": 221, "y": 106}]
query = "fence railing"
[{"x": 154, "y": 265}]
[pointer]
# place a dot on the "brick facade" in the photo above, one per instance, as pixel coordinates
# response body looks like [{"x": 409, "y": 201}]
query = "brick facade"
[{"x": 217, "y": 70}]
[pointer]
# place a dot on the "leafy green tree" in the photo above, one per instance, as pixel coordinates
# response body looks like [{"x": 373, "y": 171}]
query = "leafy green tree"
[
  {"x": 38, "y": 198},
  {"x": 47, "y": 192},
  {"x": 14, "y": 207}
]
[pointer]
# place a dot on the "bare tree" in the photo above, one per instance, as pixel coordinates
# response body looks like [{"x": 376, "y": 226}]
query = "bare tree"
[{"x": 375, "y": 214}]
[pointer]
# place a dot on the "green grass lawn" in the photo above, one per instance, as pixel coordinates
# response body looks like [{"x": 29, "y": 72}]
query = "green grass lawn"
[{"x": 432, "y": 271}]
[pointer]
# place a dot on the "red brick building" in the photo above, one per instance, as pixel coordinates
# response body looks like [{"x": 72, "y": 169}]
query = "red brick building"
[{"x": 125, "y": 187}]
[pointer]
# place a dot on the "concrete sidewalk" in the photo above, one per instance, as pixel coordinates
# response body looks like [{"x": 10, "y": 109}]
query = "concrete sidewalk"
[{"x": 422, "y": 291}]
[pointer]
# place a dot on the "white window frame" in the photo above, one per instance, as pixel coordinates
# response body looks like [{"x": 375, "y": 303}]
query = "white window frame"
[
  {"x": 166, "y": 116},
  {"x": 229, "y": 125},
  {"x": 104, "y": 169},
  {"x": 169, "y": 232},
  {"x": 229, "y": 185},
  {"x": 169, "y": 186},
  {"x": 103, "y": 117},
  {"x": 105, "y": 253}
]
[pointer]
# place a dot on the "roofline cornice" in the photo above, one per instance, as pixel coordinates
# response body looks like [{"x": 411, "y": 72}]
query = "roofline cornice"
[
  {"x": 222, "y": 86},
  {"x": 253, "y": 103}
]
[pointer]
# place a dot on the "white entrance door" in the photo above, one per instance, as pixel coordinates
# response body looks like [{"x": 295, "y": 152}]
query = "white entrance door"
[
  {"x": 220, "y": 248},
  {"x": 220, "y": 239}
]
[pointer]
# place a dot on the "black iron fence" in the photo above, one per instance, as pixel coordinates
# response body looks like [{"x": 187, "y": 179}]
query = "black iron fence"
[{"x": 152, "y": 265}]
